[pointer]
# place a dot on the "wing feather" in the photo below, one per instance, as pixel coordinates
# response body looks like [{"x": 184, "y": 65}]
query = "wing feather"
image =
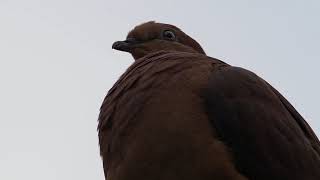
[{"x": 267, "y": 136}]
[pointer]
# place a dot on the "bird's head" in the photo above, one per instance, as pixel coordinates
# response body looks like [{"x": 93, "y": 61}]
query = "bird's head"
[{"x": 151, "y": 37}]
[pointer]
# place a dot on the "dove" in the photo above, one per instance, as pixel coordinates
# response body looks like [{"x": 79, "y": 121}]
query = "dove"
[{"x": 178, "y": 114}]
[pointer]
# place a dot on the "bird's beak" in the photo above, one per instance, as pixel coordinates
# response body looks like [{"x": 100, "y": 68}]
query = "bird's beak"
[{"x": 126, "y": 45}]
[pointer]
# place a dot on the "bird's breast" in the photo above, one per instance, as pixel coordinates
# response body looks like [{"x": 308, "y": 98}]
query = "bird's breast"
[{"x": 158, "y": 123}]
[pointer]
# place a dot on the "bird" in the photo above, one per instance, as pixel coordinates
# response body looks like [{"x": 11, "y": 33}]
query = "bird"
[{"x": 178, "y": 114}]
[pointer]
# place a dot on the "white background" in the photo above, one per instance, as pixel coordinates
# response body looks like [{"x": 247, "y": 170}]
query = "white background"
[{"x": 56, "y": 65}]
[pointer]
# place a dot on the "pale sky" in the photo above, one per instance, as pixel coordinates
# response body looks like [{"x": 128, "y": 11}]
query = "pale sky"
[{"x": 56, "y": 66}]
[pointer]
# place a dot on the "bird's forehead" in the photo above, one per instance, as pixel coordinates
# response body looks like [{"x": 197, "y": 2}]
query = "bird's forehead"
[{"x": 149, "y": 30}]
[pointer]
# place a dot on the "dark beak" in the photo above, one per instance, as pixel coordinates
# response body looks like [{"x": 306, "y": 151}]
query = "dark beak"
[{"x": 126, "y": 45}]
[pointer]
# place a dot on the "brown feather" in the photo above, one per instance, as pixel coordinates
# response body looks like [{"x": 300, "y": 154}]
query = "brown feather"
[
  {"x": 158, "y": 125},
  {"x": 179, "y": 114}
]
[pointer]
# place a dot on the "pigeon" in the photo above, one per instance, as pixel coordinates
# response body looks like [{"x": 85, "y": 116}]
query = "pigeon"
[{"x": 178, "y": 114}]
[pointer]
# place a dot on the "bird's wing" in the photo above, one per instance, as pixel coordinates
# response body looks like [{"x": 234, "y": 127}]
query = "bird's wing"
[{"x": 267, "y": 136}]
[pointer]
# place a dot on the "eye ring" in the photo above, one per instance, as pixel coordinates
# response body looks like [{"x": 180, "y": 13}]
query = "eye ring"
[{"x": 169, "y": 35}]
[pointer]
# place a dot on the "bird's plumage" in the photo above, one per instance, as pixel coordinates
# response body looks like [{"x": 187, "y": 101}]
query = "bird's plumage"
[
  {"x": 179, "y": 114},
  {"x": 268, "y": 138}
]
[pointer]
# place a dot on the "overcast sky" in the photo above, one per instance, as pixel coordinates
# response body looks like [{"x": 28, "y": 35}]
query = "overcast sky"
[{"x": 56, "y": 66}]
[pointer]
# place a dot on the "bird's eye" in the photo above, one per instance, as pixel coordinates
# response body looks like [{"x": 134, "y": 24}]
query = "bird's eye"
[{"x": 169, "y": 35}]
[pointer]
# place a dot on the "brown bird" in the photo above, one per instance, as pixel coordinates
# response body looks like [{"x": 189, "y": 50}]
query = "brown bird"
[{"x": 177, "y": 114}]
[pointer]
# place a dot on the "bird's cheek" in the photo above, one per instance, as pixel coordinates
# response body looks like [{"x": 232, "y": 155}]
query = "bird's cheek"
[{"x": 138, "y": 53}]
